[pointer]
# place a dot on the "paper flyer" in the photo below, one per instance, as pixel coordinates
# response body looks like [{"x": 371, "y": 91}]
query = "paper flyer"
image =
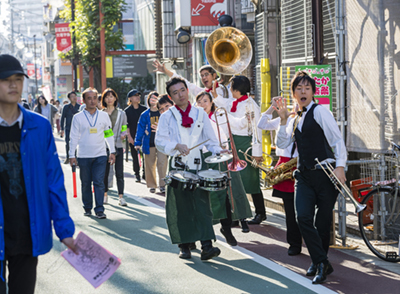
[{"x": 94, "y": 262}]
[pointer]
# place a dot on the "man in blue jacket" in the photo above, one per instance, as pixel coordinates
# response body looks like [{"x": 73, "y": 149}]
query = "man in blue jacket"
[{"x": 31, "y": 186}]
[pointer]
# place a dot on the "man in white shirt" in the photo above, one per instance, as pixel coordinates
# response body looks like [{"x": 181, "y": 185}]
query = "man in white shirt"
[
  {"x": 317, "y": 135},
  {"x": 189, "y": 216},
  {"x": 91, "y": 131}
]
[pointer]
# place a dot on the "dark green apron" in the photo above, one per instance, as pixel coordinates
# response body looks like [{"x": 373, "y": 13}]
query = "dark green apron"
[
  {"x": 250, "y": 175},
  {"x": 240, "y": 207},
  {"x": 189, "y": 216}
]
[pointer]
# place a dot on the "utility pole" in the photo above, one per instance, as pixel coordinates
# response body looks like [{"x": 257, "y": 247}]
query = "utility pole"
[
  {"x": 74, "y": 59},
  {"x": 34, "y": 61},
  {"x": 102, "y": 50}
]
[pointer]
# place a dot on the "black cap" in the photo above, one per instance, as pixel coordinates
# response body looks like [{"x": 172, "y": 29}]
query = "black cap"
[
  {"x": 133, "y": 92},
  {"x": 9, "y": 66}
]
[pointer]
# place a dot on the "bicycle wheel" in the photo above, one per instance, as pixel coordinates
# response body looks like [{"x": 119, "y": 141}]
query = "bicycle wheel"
[{"x": 379, "y": 223}]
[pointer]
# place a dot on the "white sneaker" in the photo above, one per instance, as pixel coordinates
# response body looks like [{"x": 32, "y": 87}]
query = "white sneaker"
[
  {"x": 105, "y": 199},
  {"x": 122, "y": 202}
]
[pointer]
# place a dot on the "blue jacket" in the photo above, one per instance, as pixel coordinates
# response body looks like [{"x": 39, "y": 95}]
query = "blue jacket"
[
  {"x": 44, "y": 184},
  {"x": 142, "y": 138}
]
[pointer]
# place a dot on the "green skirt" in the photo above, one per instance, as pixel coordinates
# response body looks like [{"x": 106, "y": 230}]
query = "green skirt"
[
  {"x": 250, "y": 175},
  {"x": 239, "y": 204},
  {"x": 188, "y": 214}
]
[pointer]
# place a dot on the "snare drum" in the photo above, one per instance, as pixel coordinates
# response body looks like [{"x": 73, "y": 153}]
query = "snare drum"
[
  {"x": 212, "y": 180},
  {"x": 182, "y": 180}
]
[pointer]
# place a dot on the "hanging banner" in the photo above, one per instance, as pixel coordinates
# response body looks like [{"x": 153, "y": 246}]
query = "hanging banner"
[
  {"x": 63, "y": 36},
  {"x": 207, "y": 12},
  {"x": 322, "y": 74},
  {"x": 30, "y": 69}
]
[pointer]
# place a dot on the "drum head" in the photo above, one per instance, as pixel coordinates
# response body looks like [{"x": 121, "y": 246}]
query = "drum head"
[
  {"x": 218, "y": 158},
  {"x": 211, "y": 174},
  {"x": 183, "y": 176}
]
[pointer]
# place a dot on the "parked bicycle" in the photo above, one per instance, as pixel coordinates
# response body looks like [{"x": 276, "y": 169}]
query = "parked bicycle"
[{"x": 379, "y": 223}]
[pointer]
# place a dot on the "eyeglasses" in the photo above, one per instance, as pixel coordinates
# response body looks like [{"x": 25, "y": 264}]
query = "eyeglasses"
[{"x": 205, "y": 75}]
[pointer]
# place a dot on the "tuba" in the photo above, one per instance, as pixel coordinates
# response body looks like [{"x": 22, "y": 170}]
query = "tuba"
[{"x": 228, "y": 50}]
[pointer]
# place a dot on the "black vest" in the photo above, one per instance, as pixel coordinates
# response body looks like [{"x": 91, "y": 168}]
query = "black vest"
[{"x": 311, "y": 142}]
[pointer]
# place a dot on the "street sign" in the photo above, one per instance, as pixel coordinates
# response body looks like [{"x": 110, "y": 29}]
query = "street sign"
[
  {"x": 207, "y": 12},
  {"x": 30, "y": 68},
  {"x": 322, "y": 74},
  {"x": 124, "y": 66}
]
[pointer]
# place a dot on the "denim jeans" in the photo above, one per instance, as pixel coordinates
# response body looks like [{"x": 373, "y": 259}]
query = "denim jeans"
[{"x": 92, "y": 170}]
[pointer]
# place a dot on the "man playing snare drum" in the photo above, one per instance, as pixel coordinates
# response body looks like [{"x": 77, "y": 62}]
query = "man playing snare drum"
[{"x": 189, "y": 217}]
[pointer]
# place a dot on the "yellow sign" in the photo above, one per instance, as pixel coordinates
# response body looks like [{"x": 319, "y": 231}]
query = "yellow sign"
[{"x": 109, "y": 67}]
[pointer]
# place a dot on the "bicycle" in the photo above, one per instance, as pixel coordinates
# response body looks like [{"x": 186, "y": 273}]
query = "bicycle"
[{"x": 379, "y": 223}]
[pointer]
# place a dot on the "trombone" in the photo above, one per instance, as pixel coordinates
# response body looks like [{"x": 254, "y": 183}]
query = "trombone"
[
  {"x": 342, "y": 188},
  {"x": 237, "y": 164}
]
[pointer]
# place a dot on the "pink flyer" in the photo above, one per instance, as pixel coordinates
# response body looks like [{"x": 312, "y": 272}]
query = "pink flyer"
[{"x": 94, "y": 262}]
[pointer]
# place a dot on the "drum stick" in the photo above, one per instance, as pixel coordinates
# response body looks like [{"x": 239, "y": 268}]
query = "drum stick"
[
  {"x": 74, "y": 180},
  {"x": 196, "y": 146}
]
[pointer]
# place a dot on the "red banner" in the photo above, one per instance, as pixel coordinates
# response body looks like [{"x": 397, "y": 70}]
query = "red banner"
[
  {"x": 30, "y": 70},
  {"x": 207, "y": 12},
  {"x": 63, "y": 36}
]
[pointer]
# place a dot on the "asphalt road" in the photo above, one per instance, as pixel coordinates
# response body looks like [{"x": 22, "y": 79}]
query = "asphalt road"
[{"x": 138, "y": 235}]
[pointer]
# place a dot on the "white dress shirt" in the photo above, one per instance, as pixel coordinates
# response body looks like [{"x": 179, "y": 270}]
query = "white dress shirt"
[
  {"x": 238, "y": 121},
  {"x": 268, "y": 123},
  {"x": 90, "y": 145},
  {"x": 168, "y": 135},
  {"x": 325, "y": 120}
]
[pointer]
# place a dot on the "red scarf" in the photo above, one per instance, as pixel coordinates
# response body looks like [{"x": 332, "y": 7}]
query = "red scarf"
[
  {"x": 210, "y": 115},
  {"x": 186, "y": 119},
  {"x": 236, "y": 102},
  {"x": 208, "y": 90}
]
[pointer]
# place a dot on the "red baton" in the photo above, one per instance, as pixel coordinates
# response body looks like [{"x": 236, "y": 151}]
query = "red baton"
[{"x": 74, "y": 180}]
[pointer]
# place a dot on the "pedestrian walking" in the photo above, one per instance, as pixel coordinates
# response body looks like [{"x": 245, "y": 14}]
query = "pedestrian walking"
[
  {"x": 46, "y": 109},
  {"x": 144, "y": 139},
  {"x": 117, "y": 116},
  {"x": 90, "y": 132},
  {"x": 68, "y": 111},
  {"x": 33, "y": 196},
  {"x": 58, "y": 115},
  {"x": 133, "y": 112}
]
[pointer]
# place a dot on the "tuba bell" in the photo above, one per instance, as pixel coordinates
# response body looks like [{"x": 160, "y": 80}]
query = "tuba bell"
[{"x": 228, "y": 50}]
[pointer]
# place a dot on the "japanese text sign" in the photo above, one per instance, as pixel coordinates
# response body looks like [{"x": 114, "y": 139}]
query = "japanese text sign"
[
  {"x": 207, "y": 12},
  {"x": 322, "y": 74},
  {"x": 63, "y": 36}
]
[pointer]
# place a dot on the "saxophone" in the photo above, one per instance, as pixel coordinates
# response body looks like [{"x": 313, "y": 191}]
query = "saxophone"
[{"x": 282, "y": 173}]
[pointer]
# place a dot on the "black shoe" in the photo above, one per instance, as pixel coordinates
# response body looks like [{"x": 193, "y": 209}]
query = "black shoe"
[
  {"x": 258, "y": 218},
  {"x": 192, "y": 246},
  {"x": 210, "y": 252},
  {"x": 235, "y": 224},
  {"x": 322, "y": 271},
  {"x": 312, "y": 270},
  {"x": 185, "y": 253},
  {"x": 137, "y": 179},
  {"x": 230, "y": 239},
  {"x": 100, "y": 215},
  {"x": 87, "y": 213},
  {"x": 244, "y": 225},
  {"x": 295, "y": 251}
]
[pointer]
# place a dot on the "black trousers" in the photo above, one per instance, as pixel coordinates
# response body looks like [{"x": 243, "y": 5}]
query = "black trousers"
[
  {"x": 226, "y": 223},
  {"x": 119, "y": 171},
  {"x": 204, "y": 244},
  {"x": 315, "y": 197},
  {"x": 136, "y": 167},
  {"x": 66, "y": 134},
  {"x": 293, "y": 234},
  {"x": 21, "y": 274},
  {"x": 258, "y": 201}
]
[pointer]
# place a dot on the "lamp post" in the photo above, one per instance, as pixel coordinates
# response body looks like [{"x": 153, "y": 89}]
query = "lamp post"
[{"x": 34, "y": 61}]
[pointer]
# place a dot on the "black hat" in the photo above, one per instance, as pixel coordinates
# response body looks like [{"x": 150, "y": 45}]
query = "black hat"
[
  {"x": 133, "y": 92},
  {"x": 9, "y": 66}
]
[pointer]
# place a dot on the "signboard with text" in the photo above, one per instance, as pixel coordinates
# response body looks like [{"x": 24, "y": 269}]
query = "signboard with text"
[
  {"x": 207, "y": 12},
  {"x": 30, "y": 69},
  {"x": 63, "y": 37},
  {"x": 124, "y": 66},
  {"x": 322, "y": 74}
]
